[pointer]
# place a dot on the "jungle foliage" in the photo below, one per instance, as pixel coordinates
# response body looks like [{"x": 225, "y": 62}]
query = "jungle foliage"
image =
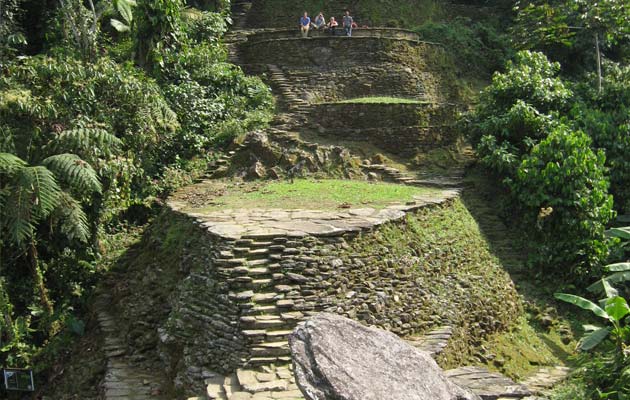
[{"x": 117, "y": 104}]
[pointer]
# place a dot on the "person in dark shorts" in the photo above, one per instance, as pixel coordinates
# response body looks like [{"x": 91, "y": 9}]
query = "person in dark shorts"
[{"x": 332, "y": 26}]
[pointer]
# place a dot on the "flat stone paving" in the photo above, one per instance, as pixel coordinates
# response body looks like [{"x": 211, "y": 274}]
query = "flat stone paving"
[{"x": 260, "y": 223}]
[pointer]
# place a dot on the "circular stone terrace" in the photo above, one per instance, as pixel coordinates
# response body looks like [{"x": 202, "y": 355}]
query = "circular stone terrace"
[{"x": 236, "y": 210}]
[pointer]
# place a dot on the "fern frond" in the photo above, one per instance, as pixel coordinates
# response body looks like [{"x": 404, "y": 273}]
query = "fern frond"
[
  {"x": 73, "y": 221},
  {"x": 89, "y": 143},
  {"x": 34, "y": 194},
  {"x": 78, "y": 174},
  {"x": 9, "y": 163}
]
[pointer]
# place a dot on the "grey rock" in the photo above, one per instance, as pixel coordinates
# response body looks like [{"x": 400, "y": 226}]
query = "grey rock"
[{"x": 337, "y": 358}]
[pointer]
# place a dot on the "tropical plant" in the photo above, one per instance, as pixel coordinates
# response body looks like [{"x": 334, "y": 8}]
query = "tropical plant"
[
  {"x": 158, "y": 26},
  {"x": 125, "y": 9},
  {"x": 545, "y": 25},
  {"x": 614, "y": 310},
  {"x": 562, "y": 191},
  {"x": 32, "y": 194},
  {"x": 11, "y": 36}
]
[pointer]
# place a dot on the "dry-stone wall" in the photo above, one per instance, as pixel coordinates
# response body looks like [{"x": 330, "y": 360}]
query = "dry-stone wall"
[
  {"x": 402, "y": 129},
  {"x": 236, "y": 300}
]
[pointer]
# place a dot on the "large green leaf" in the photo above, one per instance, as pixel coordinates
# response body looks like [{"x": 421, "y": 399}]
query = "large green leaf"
[
  {"x": 10, "y": 162},
  {"x": 73, "y": 170},
  {"x": 618, "y": 277},
  {"x": 593, "y": 339},
  {"x": 32, "y": 195},
  {"x": 619, "y": 267},
  {"x": 582, "y": 303},
  {"x": 617, "y": 307},
  {"x": 119, "y": 26},
  {"x": 622, "y": 233},
  {"x": 72, "y": 219}
]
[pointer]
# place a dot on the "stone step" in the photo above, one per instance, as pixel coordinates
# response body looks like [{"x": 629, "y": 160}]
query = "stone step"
[{"x": 487, "y": 384}]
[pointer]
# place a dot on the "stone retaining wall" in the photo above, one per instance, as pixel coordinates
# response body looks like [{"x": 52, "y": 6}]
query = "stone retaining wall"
[
  {"x": 242, "y": 297},
  {"x": 419, "y": 127},
  {"x": 260, "y": 35},
  {"x": 324, "y": 51},
  {"x": 389, "y": 79}
]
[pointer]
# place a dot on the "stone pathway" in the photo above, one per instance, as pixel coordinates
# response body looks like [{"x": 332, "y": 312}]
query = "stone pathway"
[
  {"x": 433, "y": 342},
  {"x": 122, "y": 380},
  {"x": 545, "y": 379},
  {"x": 488, "y": 385},
  {"x": 258, "y": 223}
]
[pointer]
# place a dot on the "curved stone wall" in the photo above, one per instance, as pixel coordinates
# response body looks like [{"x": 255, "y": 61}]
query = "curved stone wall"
[
  {"x": 324, "y": 51},
  {"x": 402, "y": 129}
]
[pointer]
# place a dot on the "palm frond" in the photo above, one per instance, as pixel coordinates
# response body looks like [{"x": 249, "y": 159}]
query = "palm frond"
[
  {"x": 9, "y": 163},
  {"x": 78, "y": 174},
  {"x": 89, "y": 143},
  {"x": 33, "y": 195},
  {"x": 73, "y": 221}
]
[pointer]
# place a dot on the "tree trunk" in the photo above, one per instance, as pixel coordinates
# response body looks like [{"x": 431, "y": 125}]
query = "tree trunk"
[
  {"x": 600, "y": 79},
  {"x": 38, "y": 278}
]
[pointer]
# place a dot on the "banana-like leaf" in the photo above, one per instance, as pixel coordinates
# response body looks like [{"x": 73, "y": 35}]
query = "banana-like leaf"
[
  {"x": 622, "y": 233},
  {"x": 590, "y": 328},
  {"x": 617, "y": 307},
  {"x": 124, "y": 8},
  {"x": 619, "y": 267},
  {"x": 582, "y": 303},
  {"x": 593, "y": 339},
  {"x": 119, "y": 26},
  {"x": 618, "y": 277}
]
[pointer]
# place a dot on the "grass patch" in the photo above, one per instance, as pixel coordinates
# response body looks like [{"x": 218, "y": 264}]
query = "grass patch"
[
  {"x": 303, "y": 194},
  {"x": 382, "y": 100}
]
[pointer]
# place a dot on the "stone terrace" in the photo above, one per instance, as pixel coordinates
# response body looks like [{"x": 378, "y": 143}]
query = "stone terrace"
[{"x": 257, "y": 223}]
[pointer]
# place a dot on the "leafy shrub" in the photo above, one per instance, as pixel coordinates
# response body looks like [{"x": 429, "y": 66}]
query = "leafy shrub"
[
  {"x": 42, "y": 96},
  {"x": 516, "y": 111},
  {"x": 557, "y": 182},
  {"x": 606, "y": 118},
  {"x": 562, "y": 190},
  {"x": 210, "y": 97}
]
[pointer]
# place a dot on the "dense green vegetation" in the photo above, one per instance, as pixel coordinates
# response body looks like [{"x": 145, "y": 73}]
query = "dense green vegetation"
[
  {"x": 551, "y": 127},
  {"x": 106, "y": 106},
  {"x": 117, "y": 104}
]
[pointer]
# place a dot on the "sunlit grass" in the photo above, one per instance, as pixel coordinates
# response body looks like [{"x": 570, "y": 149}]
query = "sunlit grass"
[{"x": 305, "y": 194}]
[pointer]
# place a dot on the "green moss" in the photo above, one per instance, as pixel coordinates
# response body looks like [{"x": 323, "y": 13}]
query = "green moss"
[
  {"x": 525, "y": 348},
  {"x": 302, "y": 194}
]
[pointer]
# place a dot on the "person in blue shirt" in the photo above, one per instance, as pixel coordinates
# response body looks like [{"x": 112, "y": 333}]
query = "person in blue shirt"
[
  {"x": 320, "y": 21},
  {"x": 305, "y": 24}
]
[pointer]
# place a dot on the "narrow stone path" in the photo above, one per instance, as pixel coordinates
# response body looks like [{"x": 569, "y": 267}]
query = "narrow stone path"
[
  {"x": 486, "y": 384},
  {"x": 122, "y": 379},
  {"x": 545, "y": 379}
]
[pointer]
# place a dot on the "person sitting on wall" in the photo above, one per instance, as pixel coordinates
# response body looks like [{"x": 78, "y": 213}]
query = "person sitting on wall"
[
  {"x": 320, "y": 21},
  {"x": 305, "y": 24},
  {"x": 332, "y": 26},
  {"x": 347, "y": 23}
]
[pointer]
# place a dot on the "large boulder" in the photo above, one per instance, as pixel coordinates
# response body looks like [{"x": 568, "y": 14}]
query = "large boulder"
[{"x": 335, "y": 358}]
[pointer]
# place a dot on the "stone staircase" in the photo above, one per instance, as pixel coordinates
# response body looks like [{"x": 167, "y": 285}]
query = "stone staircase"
[
  {"x": 240, "y": 10},
  {"x": 123, "y": 379},
  {"x": 287, "y": 92},
  {"x": 452, "y": 180},
  {"x": 268, "y": 312}
]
